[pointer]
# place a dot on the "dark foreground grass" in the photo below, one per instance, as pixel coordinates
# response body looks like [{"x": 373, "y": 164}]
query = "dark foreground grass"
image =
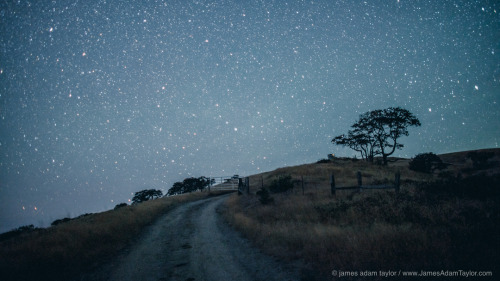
[
  {"x": 64, "y": 251},
  {"x": 445, "y": 225}
]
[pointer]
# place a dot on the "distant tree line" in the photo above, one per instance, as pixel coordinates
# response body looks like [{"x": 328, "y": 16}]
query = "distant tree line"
[
  {"x": 190, "y": 185},
  {"x": 377, "y": 132},
  {"x": 186, "y": 186}
]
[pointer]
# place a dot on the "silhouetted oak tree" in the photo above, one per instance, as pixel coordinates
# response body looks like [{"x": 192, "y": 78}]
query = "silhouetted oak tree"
[
  {"x": 145, "y": 195},
  {"x": 377, "y": 132},
  {"x": 189, "y": 185}
]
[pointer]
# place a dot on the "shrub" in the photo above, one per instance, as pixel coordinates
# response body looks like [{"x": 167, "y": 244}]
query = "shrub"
[
  {"x": 18, "y": 231},
  {"x": 56, "y": 222},
  {"x": 282, "y": 184},
  {"x": 121, "y": 205},
  {"x": 426, "y": 163},
  {"x": 264, "y": 197}
]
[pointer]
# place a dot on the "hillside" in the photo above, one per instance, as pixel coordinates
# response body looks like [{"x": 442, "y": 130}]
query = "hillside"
[
  {"x": 72, "y": 247},
  {"x": 447, "y": 220},
  {"x": 345, "y": 170}
]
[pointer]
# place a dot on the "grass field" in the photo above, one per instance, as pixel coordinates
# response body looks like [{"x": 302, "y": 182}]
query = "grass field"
[
  {"x": 61, "y": 252},
  {"x": 436, "y": 222}
]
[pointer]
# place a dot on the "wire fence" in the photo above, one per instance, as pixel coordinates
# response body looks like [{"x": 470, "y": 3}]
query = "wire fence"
[{"x": 310, "y": 183}]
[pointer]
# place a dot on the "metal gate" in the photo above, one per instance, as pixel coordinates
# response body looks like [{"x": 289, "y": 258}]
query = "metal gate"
[{"x": 224, "y": 183}]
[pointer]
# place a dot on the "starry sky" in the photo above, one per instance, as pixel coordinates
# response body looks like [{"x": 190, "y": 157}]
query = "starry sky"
[{"x": 102, "y": 98}]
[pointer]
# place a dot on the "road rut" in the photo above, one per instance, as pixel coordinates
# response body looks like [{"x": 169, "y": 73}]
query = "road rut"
[{"x": 192, "y": 242}]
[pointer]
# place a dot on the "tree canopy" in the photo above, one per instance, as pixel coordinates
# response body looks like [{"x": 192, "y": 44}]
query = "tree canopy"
[
  {"x": 189, "y": 185},
  {"x": 145, "y": 195},
  {"x": 377, "y": 132}
]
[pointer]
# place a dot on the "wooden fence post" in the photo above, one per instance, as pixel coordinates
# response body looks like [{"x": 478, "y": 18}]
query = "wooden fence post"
[
  {"x": 332, "y": 184},
  {"x": 397, "y": 182},
  {"x": 247, "y": 184},
  {"x": 240, "y": 185},
  {"x": 360, "y": 182},
  {"x": 302, "y": 181}
]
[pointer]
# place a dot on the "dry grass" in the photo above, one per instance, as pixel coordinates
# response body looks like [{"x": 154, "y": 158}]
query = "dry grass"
[
  {"x": 317, "y": 176},
  {"x": 418, "y": 228},
  {"x": 63, "y": 251}
]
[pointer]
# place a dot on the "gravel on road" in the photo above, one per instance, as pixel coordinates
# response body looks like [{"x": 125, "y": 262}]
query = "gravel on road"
[{"x": 192, "y": 242}]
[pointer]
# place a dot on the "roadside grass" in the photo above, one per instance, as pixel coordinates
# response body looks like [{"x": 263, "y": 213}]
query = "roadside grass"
[
  {"x": 63, "y": 251},
  {"x": 430, "y": 225}
]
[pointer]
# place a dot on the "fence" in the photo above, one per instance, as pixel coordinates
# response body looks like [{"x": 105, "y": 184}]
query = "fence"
[
  {"x": 318, "y": 181},
  {"x": 360, "y": 185}
]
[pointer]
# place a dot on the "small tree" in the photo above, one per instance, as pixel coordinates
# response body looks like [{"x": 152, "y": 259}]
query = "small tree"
[
  {"x": 264, "y": 196},
  {"x": 145, "y": 195}
]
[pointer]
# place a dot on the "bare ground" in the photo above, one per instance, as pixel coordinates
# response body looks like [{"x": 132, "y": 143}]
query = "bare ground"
[{"x": 192, "y": 242}]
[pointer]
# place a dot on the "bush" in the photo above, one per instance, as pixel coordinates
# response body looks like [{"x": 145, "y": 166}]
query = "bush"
[
  {"x": 264, "y": 197},
  {"x": 56, "y": 222},
  {"x": 18, "y": 231},
  {"x": 121, "y": 205},
  {"x": 282, "y": 184},
  {"x": 426, "y": 163}
]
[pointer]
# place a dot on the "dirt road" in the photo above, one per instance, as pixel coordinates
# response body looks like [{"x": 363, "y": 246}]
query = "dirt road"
[{"x": 192, "y": 242}]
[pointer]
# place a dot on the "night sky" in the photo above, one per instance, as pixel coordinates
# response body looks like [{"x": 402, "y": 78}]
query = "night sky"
[{"x": 99, "y": 99}]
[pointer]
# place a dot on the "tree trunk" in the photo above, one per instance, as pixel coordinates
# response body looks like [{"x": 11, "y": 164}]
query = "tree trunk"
[{"x": 390, "y": 153}]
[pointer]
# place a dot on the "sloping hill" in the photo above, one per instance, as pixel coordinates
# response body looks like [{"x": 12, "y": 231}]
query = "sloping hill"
[
  {"x": 441, "y": 221},
  {"x": 469, "y": 163},
  {"x": 345, "y": 170},
  {"x": 64, "y": 251}
]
